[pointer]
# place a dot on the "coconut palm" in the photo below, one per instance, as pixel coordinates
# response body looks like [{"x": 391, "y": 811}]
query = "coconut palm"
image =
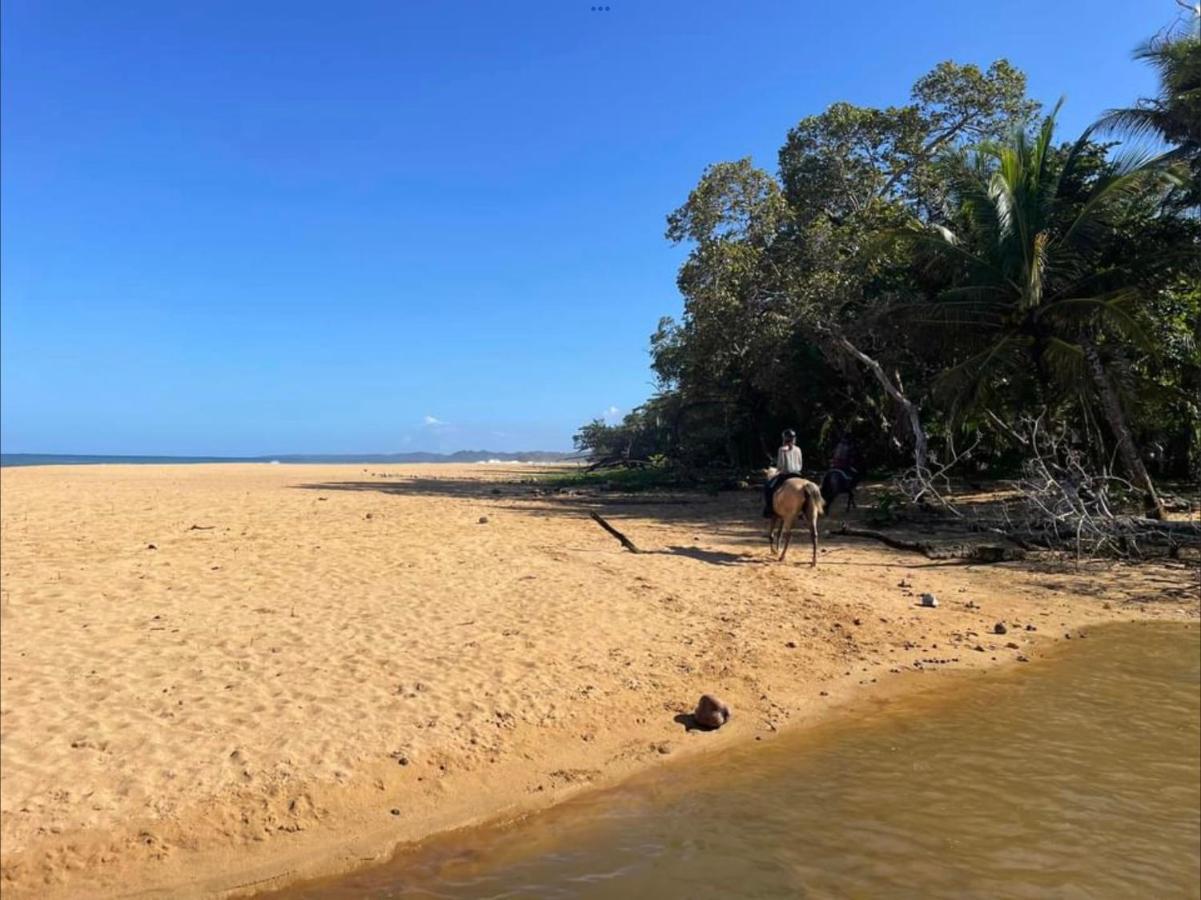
[
  {"x": 1174, "y": 116},
  {"x": 1033, "y": 297}
]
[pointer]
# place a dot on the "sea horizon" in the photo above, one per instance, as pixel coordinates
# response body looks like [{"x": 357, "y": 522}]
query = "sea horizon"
[{"x": 458, "y": 456}]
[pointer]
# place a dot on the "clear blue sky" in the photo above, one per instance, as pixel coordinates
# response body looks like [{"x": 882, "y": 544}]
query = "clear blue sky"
[{"x": 268, "y": 227}]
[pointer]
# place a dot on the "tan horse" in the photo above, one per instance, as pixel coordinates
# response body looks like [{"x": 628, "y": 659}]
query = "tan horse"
[{"x": 794, "y": 498}]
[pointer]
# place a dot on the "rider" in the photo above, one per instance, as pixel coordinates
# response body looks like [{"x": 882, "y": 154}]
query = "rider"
[
  {"x": 788, "y": 462},
  {"x": 844, "y": 456}
]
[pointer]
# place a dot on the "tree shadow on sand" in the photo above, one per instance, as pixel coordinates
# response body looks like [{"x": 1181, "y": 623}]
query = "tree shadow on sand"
[{"x": 728, "y": 517}]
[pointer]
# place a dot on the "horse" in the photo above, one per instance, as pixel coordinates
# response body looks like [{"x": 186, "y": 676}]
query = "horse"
[
  {"x": 793, "y": 497},
  {"x": 841, "y": 481}
]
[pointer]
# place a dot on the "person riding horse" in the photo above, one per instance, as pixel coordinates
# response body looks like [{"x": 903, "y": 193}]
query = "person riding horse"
[
  {"x": 788, "y": 465},
  {"x": 846, "y": 471}
]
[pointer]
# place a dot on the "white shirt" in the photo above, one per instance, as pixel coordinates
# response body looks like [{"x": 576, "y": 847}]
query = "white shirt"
[{"x": 789, "y": 459}]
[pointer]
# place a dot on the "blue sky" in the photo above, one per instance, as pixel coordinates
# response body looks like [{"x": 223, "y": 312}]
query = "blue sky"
[{"x": 243, "y": 228}]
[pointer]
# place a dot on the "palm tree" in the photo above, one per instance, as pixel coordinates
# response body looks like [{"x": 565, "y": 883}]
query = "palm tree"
[
  {"x": 1174, "y": 116},
  {"x": 1033, "y": 299}
]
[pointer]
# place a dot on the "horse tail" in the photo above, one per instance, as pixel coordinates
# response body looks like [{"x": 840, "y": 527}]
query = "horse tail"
[{"x": 815, "y": 497}]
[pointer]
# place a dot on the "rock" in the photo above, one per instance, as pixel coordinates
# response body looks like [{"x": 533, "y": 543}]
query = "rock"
[
  {"x": 1000, "y": 628},
  {"x": 151, "y": 547},
  {"x": 711, "y": 712},
  {"x": 369, "y": 516},
  {"x": 1012, "y": 646},
  {"x": 857, "y": 622},
  {"x": 395, "y": 811},
  {"x": 791, "y": 645},
  {"x": 1031, "y": 628},
  {"x": 929, "y": 600},
  {"x": 483, "y": 520}
]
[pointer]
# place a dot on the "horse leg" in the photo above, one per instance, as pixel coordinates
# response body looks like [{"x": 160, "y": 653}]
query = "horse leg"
[
  {"x": 850, "y": 499},
  {"x": 812, "y": 517},
  {"x": 786, "y": 532},
  {"x": 771, "y": 533}
]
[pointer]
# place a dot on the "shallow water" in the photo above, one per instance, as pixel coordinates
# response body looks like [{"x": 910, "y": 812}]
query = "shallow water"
[{"x": 1077, "y": 776}]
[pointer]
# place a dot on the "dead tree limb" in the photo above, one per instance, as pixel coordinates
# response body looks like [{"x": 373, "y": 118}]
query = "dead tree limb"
[
  {"x": 625, "y": 541},
  {"x": 979, "y": 553},
  {"x": 911, "y": 410}
]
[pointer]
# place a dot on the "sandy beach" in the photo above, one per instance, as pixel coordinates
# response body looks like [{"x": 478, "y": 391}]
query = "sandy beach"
[{"x": 218, "y": 679}]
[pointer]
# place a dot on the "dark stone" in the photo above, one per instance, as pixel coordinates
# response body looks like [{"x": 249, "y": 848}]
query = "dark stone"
[
  {"x": 1000, "y": 628},
  {"x": 711, "y": 712}
]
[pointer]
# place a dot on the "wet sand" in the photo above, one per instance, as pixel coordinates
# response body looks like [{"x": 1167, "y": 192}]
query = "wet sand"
[{"x": 230, "y": 677}]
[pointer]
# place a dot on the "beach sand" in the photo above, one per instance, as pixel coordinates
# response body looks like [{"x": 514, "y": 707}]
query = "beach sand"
[{"x": 218, "y": 679}]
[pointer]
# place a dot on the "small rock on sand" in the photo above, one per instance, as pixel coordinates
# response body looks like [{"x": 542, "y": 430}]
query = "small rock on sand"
[
  {"x": 1000, "y": 628},
  {"x": 929, "y": 600},
  {"x": 483, "y": 520},
  {"x": 711, "y": 712}
]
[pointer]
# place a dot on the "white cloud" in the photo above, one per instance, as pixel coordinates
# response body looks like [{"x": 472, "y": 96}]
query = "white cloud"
[
  {"x": 433, "y": 421},
  {"x": 612, "y": 415}
]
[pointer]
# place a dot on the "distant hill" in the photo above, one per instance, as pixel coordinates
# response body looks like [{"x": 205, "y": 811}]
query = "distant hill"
[{"x": 461, "y": 456}]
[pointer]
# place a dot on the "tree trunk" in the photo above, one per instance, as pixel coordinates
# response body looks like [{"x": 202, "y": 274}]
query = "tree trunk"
[
  {"x": 1111, "y": 407},
  {"x": 915, "y": 422}
]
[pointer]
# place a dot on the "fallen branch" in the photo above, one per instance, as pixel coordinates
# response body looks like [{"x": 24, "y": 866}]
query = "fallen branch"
[
  {"x": 614, "y": 462},
  {"x": 625, "y": 541},
  {"x": 980, "y": 553}
]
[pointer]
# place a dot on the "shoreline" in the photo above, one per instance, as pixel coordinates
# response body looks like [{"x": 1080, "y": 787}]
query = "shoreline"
[
  {"x": 922, "y": 696},
  {"x": 534, "y": 697}
]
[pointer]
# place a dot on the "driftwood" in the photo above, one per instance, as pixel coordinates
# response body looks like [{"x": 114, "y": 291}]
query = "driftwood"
[
  {"x": 625, "y": 541},
  {"x": 980, "y": 553}
]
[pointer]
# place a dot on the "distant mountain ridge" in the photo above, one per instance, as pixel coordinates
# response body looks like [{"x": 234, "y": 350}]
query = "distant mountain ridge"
[{"x": 459, "y": 456}]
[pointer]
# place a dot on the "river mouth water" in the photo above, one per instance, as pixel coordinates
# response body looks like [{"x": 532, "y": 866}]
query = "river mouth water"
[{"x": 1075, "y": 776}]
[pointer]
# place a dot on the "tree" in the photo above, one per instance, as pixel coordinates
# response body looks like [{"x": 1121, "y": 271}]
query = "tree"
[
  {"x": 1174, "y": 115},
  {"x": 1032, "y": 291},
  {"x": 778, "y": 264}
]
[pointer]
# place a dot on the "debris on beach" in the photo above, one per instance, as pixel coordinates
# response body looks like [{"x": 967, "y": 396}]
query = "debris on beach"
[
  {"x": 929, "y": 600},
  {"x": 711, "y": 712}
]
